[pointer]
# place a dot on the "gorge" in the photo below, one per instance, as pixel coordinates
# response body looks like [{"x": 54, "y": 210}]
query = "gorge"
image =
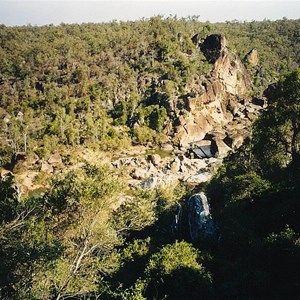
[{"x": 155, "y": 159}]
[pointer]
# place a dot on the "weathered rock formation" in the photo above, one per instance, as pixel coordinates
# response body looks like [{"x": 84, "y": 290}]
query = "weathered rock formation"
[
  {"x": 213, "y": 103},
  {"x": 251, "y": 58},
  {"x": 215, "y": 121},
  {"x": 213, "y": 47}
]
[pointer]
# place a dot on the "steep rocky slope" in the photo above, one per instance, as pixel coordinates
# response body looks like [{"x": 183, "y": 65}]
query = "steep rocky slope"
[
  {"x": 216, "y": 119},
  {"x": 216, "y": 100}
]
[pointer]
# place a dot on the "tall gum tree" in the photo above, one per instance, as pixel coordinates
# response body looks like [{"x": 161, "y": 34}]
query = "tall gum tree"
[{"x": 286, "y": 99}]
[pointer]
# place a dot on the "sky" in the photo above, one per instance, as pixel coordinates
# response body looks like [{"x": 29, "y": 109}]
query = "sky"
[{"x": 23, "y": 12}]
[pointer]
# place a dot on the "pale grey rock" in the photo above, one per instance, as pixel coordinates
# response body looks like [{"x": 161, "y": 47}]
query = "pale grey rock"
[
  {"x": 167, "y": 147},
  {"x": 139, "y": 173},
  {"x": 221, "y": 148},
  {"x": 252, "y": 57},
  {"x": 175, "y": 165},
  {"x": 198, "y": 178},
  {"x": 150, "y": 183}
]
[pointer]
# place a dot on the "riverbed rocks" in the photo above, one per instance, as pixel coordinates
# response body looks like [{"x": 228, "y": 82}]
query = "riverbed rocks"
[
  {"x": 155, "y": 159},
  {"x": 170, "y": 169},
  {"x": 196, "y": 161}
]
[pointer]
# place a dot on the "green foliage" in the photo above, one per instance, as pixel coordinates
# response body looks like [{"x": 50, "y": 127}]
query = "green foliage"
[
  {"x": 136, "y": 212},
  {"x": 121, "y": 113},
  {"x": 247, "y": 186},
  {"x": 104, "y": 86},
  {"x": 68, "y": 80},
  {"x": 255, "y": 200},
  {"x": 70, "y": 234},
  {"x": 143, "y": 135},
  {"x": 137, "y": 248},
  {"x": 172, "y": 257},
  {"x": 175, "y": 272},
  {"x": 153, "y": 117},
  {"x": 272, "y": 143},
  {"x": 8, "y": 199}
]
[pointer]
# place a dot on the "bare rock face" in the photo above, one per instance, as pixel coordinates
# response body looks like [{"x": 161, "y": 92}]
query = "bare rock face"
[
  {"x": 155, "y": 159},
  {"x": 229, "y": 71},
  {"x": 193, "y": 128},
  {"x": 220, "y": 147},
  {"x": 252, "y": 58},
  {"x": 212, "y": 103}
]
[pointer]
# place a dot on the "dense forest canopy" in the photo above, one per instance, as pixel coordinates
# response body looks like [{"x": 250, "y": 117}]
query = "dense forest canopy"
[{"x": 89, "y": 234}]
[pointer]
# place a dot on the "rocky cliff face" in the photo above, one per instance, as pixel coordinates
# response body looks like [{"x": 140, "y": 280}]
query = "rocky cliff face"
[
  {"x": 216, "y": 119},
  {"x": 213, "y": 103}
]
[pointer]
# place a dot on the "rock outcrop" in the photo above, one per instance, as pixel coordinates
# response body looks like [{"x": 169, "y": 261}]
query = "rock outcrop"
[
  {"x": 215, "y": 121},
  {"x": 213, "y": 103},
  {"x": 213, "y": 47},
  {"x": 251, "y": 58}
]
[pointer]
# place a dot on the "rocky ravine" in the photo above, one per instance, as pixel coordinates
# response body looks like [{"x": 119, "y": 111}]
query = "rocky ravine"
[{"x": 216, "y": 119}]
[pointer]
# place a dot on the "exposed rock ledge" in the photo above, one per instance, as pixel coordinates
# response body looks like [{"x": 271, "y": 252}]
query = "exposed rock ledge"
[
  {"x": 217, "y": 118},
  {"x": 195, "y": 163},
  {"x": 213, "y": 101}
]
